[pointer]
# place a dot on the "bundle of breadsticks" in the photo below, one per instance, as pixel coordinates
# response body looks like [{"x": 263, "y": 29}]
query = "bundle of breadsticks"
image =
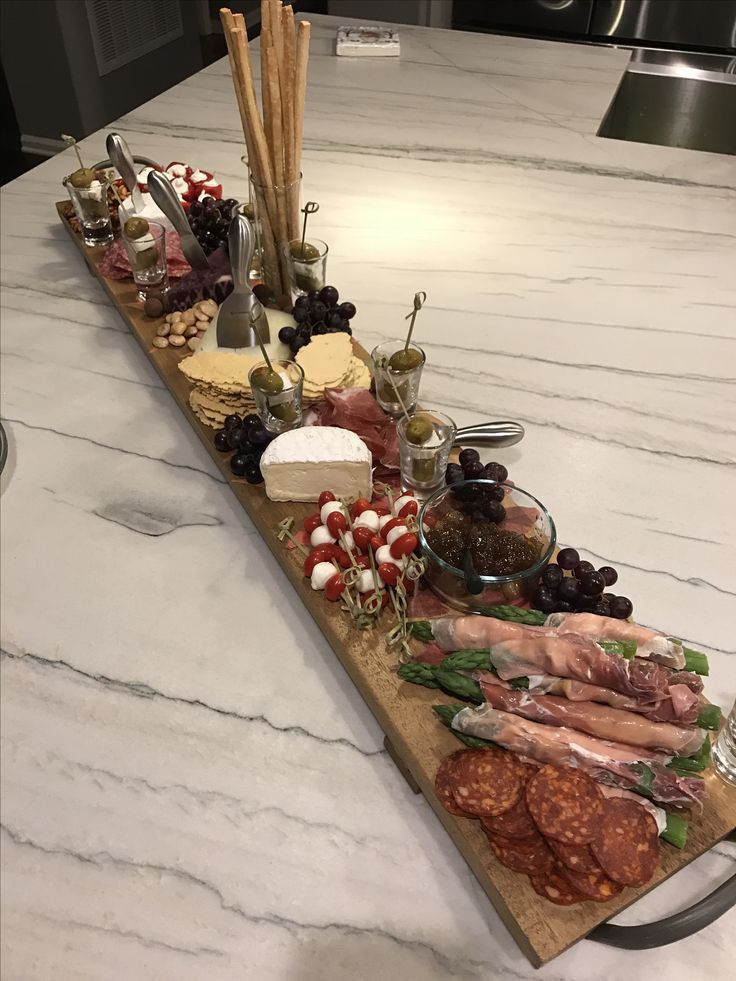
[{"x": 273, "y": 141}]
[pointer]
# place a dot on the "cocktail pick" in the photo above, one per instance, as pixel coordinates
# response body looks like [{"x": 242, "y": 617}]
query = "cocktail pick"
[
  {"x": 310, "y": 208},
  {"x": 70, "y": 141},
  {"x": 272, "y": 382},
  {"x": 406, "y": 359},
  {"x": 420, "y": 299}
]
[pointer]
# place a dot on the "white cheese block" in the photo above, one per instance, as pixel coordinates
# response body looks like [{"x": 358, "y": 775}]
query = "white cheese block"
[{"x": 300, "y": 464}]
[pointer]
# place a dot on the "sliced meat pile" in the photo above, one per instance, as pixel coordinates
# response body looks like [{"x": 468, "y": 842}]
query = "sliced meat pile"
[{"x": 552, "y": 824}]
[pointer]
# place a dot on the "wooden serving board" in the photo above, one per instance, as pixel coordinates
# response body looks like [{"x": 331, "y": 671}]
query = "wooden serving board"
[{"x": 414, "y": 737}]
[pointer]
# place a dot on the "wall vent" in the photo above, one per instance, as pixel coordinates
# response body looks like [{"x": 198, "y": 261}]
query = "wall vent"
[{"x": 123, "y": 32}]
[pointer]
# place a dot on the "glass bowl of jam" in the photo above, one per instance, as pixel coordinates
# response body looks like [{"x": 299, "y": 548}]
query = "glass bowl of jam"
[{"x": 485, "y": 542}]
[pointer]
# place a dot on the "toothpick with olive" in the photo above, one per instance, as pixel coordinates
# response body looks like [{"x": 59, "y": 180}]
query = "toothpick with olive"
[
  {"x": 406, "y": 359},
  {"x": 268, "y": 380},
  {"x": 84, "y": 176},
  {"x": 304, "y": 250}
]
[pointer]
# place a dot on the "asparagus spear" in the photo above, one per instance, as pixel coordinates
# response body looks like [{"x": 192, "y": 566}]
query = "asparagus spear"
[
  {"x": 446, "y": 713},
  {"x": 501, "y": 611},
  {"x": 422, "y": 630},
  {"x": 687, "y": 765},
  {"x": 418, "y": 674},
  {"x": 709, "y": 718},
  {"x": 438, "y": 676},
  {"x": 473, "y": 660}
]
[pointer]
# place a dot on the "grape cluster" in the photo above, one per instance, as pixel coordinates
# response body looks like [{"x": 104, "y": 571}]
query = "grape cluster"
[
  {"x": 582, "y": 591},
  {"x": 481, "y": 502},
  {"x": 317, "y": 312},
  {"x": 249, "y": 438},
  {"x": 209, "y": 219}
]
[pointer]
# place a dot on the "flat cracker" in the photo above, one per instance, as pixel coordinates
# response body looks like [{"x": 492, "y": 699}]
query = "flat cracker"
[
  {"x": 219, "y": 369},
  {"x": 325, "y": 359}
]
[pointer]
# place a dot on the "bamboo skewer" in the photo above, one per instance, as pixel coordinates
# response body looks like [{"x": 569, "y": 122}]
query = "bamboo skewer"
[
  {"x": 288, "y": 112},
  {"x": 300, "y": 88}
]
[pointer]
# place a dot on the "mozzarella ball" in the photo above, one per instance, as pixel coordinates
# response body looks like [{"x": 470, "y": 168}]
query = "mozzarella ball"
[
  {"x": 383, "y": 554},
  {"x": 368, "y": 519},
  {"x": 349, "y": 541},
  {"x": 321, "y": 573},
  {"x": 395, "y": 533},
  {"x": 384, "y": 520},
  {"x": 326, "y": 510},
  {"x": 321, "y": 536},
  {"x": 398, "y": 504},
  {"x": 366, "y": 583}
]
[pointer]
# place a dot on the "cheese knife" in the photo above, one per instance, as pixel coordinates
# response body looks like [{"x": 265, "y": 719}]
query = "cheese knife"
[
  {"x": 122, "y": 161},
  {"x": 166, "y": 198},
  {"x": 491, "y": 434},
  {"x": 242, "y": 311}
]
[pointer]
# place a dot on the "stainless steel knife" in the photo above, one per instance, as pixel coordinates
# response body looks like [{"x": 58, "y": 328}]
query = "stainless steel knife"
[
  {"x": 122, "y": 160},
  {"x": 165, "y": 197}
]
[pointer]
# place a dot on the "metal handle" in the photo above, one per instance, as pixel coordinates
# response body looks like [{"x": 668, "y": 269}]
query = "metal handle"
[
  {"x": 241, "y": 244},
  {"x": 165, "y": 198},
  {"x": 491, "y": 434},
  {"x": 122, "y": 160}
]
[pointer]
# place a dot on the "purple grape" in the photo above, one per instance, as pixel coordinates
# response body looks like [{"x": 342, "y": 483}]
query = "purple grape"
[
  {"x": 496, "y": 471},
  {"x": 298, "y": 343},
  {"x": 544, "y": 600},
  {"x": 581, "y": 568},
  {"x": 221, "y": 442},
  {"x": 592, "y": 583},
  {"x": 329, "y": 296},
  {"x": 347, "y": 310},
  {"x": 562, "y": 606},
  {"x": 602, "y": 609},
  {"x": 473, "y": 469},
  {"x": 495, "y": 511},
  {"x": 453, "y": 473},
  {"x": 568, "y": 558},
  {"x": 317, "y": 312},
  {"x": 232, "y": 421},
  {"x": 609, "y": 574},
  {"x": 621, "y": 607},
  {"x": 568, "y": 589},
  {"x": 468, "y": 456},
  {"x": 552, "y": 576}
]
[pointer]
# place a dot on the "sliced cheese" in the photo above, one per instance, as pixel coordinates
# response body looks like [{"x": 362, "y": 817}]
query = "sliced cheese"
[{"x": 300, "y": 464}]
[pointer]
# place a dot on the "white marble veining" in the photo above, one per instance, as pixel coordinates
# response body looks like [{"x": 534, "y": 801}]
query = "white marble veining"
[{"x": 192, "y": 788}]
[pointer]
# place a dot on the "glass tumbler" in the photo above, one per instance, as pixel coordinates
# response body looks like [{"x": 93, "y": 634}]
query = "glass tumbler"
[
  {"x": 423, "y": 459},
  {"x": 147, "y": 257},
  {"x": 397, "y": 392},
  {"x": 724, "y": 751},
  {"x": 279, "y": 410},
  {"x": 90, "y": 206},
  {"x": 308, "y": 266},
  {"x": 277, "y": 216}
]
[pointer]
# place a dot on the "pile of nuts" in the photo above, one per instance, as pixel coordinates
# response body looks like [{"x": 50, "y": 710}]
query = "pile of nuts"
[{"x": 185, "y": 327}]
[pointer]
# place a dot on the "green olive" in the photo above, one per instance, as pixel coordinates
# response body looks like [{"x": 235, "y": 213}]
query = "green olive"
[
  {"x": 82, "y": 177},
  {"x": 269, "y": 382},
  {"x": 249, "y": 211},
  {"x": 146, "y": 259},
  {"x": 136, "y": 228},
  {"x": 405, "y": 359},
  {"x": 419, "y": 430},
  {"x": 284, "y": 412},
  {"x": 306, "y": 252},
  {"x": 423, "y": 470}
]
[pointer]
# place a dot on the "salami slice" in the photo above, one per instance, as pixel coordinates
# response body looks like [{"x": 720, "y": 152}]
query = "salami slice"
[
  {"x": 486, "y": 782},
  {"x": 565, "y": 804},
  {"x": 529, "y": 855},
  {"x": 594, "y": 885},
  {"x": 626, "y": 843},
  {"x": 579, "y": 858},
  {"x": 444, "y": 781},
  {"x": 554, "y": 886},
  {"x": 515, "y": 823}
]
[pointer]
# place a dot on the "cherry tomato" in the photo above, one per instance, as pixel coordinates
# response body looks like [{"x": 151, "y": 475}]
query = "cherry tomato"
[
  {"x": 429, "y": 520},
  {"x": 393, "y": 523},
  {"x": 323, "y": 553},
  {"x": 336, "y": 522},
  {"x": 376, "y": 542},
  {"x": 343, "y": 559},
  {"x": 409, "y": 586},
  {"x": 334, "y": 588},
  {"x": 362, "y": 537},
  {"x": 404, "y": 545},
  {"x": 366, "y": 596},
  {"x": 325, "y": 497},
  {"x": 364, "y": 561},
  {"x": 359, "y": 507},
  {"x": 389, "y": 573},
  {"x": 381, "y": 509},
  {"x": 411, "y": 507},
  {"x": 311, "y": 522}
]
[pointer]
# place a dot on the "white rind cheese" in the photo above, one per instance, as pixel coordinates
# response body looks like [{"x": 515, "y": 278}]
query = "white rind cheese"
[{"x": 300, "y": 464}]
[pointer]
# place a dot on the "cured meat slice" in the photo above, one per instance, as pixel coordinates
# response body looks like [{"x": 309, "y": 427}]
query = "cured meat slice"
[
  {"x": 626, "y": 842},
  {"x": 487, "y": 782},
  {"x": 579, "y": 858},
  {"x": 649, "y": 643},
  {"x": 556, "y": 887},
  {"x": 443, "y": 783},
  {"x": 528, "y": 855},
  {"x": 594, "y": 885},
  {"x": 565, "y": 804},
  {"x": 515, "y": 823}
]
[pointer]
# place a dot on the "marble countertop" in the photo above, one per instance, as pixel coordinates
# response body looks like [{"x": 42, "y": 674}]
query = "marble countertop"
[{"x": 192, "y": 788}]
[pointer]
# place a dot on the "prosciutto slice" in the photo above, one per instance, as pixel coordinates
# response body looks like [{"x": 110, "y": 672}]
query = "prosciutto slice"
[
  {"x": 580, "y": 658},
  {"x": 475, "y": 633},
  {"x": 597, "y": 720},
  {"x": 607, "y": 762},
  {"x": 649, "y": 643}
]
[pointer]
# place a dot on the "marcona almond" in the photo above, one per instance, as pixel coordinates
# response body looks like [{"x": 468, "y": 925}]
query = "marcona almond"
[
  {"x": 209, "y": 307},
  {"x": 176, "y": 340},
  {"x": 176, "y": 315},
  {"x": 160, "y": 342},
  {"x": 193, "y": 343},
  {"x": 188, "y": 317},
  {"x": 178, "y": 327},
  {"x": 191, "y": 331},
  {"x": 163, "y": 330}
]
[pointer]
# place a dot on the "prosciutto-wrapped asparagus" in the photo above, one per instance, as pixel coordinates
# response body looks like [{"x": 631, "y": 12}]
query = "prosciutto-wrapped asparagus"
[
  {"x": 649, "y": 643},
  {"x": 607, "y": 762},
  {"x": 601, "y": 721}
]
